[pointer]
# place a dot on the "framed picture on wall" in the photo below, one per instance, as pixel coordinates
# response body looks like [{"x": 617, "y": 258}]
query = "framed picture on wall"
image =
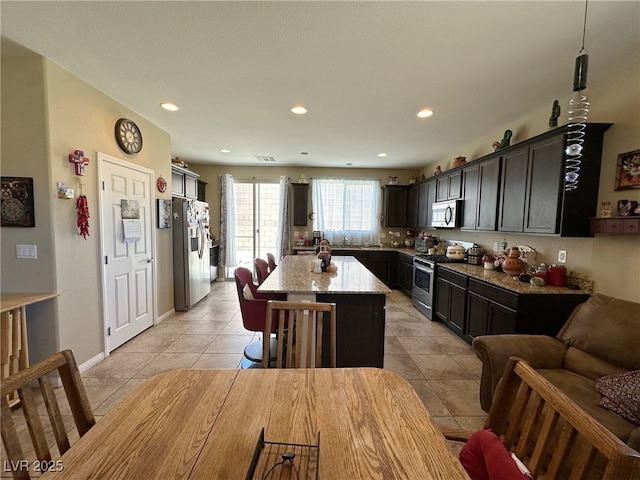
[
  {"x": 164, "y": 213},
  {"x": 628, "y": 170},
  {"x": 17, "y": 202}
]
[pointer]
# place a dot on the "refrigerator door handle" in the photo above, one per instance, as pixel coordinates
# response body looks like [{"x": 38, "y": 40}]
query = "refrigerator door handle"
[{"x": 201, "y": 239}]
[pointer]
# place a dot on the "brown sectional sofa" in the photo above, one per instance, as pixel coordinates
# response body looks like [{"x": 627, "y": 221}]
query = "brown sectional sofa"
[{"x": 600, "y": 337}]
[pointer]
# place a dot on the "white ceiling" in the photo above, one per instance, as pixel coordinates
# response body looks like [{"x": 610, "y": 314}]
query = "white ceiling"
[{"x": 363, "y": 69}]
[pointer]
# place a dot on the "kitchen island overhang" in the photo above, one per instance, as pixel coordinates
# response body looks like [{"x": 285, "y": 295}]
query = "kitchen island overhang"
[{"x": 360, "y": 299}]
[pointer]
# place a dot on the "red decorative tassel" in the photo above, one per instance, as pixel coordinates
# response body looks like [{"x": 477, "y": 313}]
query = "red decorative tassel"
[{"x": 83, "y": 215}]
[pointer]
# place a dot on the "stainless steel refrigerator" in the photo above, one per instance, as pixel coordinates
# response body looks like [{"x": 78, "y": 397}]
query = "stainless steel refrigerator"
[{"x": 191, "y": 257}]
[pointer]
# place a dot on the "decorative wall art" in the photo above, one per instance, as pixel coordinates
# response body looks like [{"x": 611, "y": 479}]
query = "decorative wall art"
[
  {"x": 16, "y": 196},
  {"x": 164, "y": 213},
  {"x": 130, "y": 209},
  {"x": 628, "y": 170}
]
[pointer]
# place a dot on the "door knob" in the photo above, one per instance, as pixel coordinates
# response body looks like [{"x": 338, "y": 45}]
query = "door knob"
[{"x": 149, "y": 260}]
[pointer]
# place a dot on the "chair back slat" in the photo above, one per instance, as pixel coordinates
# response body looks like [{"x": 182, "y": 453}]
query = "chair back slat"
[
  {"x": 544, "y": 440},
  {"x": 64, "y": 364},
  {"x": 302, "y": 324},
  {"x": 57, "y": 424},
  {"x": 551, "y": 434}
]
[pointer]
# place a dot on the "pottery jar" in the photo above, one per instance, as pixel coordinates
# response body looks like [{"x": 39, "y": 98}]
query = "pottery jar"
[
  {"x": 513, "y": 265},
  {"x": 455, "y": 252}
]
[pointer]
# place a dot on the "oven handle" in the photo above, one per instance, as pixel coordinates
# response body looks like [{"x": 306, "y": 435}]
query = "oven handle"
[{"x": 424, "y": 268}]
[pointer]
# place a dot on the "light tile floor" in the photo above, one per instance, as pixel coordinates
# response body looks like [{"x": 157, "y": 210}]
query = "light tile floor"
[{"x": 442, "y": 368}]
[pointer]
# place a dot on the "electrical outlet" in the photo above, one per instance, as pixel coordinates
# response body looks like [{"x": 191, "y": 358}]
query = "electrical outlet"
[
  {"x": 562, "y": 256},
  {"x": 495, "y": 246}
]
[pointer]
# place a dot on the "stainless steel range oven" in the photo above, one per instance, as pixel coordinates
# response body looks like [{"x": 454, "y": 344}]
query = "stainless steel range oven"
[
  {"x": 423, "y": 283},
  {"x": 424, "y": 279}
]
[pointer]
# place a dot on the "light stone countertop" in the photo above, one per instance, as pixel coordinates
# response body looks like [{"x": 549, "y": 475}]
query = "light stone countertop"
[
  {"x": 507, "y": 282},
  {"x": 293, "y": 275}
]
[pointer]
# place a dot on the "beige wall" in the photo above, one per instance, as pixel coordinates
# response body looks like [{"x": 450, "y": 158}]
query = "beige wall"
[{"x": 70, "y": 115}]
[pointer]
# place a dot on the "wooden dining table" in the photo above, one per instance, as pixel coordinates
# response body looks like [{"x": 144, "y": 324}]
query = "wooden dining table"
[{"x": 367, "y": 423}]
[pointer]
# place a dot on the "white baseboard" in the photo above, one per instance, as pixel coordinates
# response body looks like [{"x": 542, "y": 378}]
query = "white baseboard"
[
  {"x": 165, "y": 315},
  {"x": 91, "y": 362}
]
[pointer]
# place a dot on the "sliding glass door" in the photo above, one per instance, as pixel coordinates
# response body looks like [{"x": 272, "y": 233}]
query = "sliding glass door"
[{"x": 256, "y": 218}]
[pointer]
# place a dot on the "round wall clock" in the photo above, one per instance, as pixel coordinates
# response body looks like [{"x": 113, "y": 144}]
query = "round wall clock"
[{"x": 128, "y": 136}]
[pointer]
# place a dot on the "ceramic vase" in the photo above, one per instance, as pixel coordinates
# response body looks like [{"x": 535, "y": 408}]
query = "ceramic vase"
[{"x": 513, "y": 265}]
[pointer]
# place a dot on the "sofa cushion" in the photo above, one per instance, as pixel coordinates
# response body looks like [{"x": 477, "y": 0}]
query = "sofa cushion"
[
  {"x": 607, "y": 328},
  {"x": 588, "y": 365},
  {"x": 582, "y": 390},
  {"x": 621, "y": 395}
]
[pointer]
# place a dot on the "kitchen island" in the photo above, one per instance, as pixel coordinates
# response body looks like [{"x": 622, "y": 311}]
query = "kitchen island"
[{"x": 359, "y": 296}]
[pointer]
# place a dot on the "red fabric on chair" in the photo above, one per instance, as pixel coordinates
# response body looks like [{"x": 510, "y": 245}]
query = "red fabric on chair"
[
  {"x": 262, "y": 270},
  {"x": 272, "y": 262},
  {"x": 253, "y": 311},
  {"x": 485, "y": 457}
]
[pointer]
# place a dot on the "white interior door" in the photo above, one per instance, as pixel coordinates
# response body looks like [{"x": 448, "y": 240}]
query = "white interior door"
[{"x": 128, "y": 270}]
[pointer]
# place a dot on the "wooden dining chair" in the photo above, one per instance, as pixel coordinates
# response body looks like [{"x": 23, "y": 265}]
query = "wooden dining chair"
[
  {"x": 271, "y": 260},
  {"x": 262, "y": 270},
  {"x": 65, "y": 365},
  {"x": 550, "y": 434},
  {"x": 306, "y": 329}
]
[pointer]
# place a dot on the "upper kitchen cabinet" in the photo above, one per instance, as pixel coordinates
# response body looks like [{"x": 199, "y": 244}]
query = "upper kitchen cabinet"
[
  {"x": 449, "y": 186},
  {"x": 300, "y": 204},
  {"x": 395, "y": 205},
  {"x": 184, "y": 183},
  {"x": 532, "y": 194},
  {"x": 412, "y": 205},
  {"x": 421, "y": 196},
  {"x": 480, "y": 187}
]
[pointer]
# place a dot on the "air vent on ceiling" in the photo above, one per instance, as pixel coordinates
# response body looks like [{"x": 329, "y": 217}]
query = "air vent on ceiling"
[{"x": 265, "y": 158}]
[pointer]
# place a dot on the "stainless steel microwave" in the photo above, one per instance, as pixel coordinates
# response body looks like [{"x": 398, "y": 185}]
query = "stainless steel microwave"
[{"x": 445, "y": 214}]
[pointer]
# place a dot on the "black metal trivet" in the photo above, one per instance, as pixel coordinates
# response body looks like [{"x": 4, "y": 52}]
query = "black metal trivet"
[{"x": 286, "y": 461}]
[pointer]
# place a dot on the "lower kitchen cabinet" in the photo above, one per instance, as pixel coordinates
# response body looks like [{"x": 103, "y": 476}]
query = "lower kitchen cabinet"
[
  {"x": 381, "y": 263},
  {"x": 471, "y": 307},
  {"x": 451, "y": 299},
  {"x": 404, "y": 279}
]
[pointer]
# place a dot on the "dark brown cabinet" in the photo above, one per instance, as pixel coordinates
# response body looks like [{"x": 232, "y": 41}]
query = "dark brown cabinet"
[
  {"x": 451, "y": 299},
  {"x": 202, "y": 190},
  {"x": 413, "y": 197},
  {"x": 471, "y": 307},
  {"x": 300, "y": 200},
  {"x": 533, "y": 198},
  {"x": 449, "y": 186},
  {"x": 480, "y": 187},
  {"x": 426, "y": 198},
  {"x": 616, "y": 225},
  {"x": 184, "y": 183},
  {"x": 395, "y": 205},
  {"x": 383, "y": 263},
  {"x": 404, "y": 278}
]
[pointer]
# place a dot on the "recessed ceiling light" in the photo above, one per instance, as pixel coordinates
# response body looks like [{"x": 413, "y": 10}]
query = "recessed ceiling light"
[
  {"x": 425, "y": 113},
  {"x": 169, "y": 106},
  {"x": 382, "y": 154},
  {"x": 225, "y": 150},
  {"x": 298, "y": 110}
]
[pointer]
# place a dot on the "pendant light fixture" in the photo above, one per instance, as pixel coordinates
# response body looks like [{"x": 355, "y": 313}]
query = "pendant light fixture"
[{"x": 578, "y": 113}]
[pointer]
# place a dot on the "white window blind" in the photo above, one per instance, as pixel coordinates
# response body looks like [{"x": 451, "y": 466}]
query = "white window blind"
[{"x": 347, "y": 210}]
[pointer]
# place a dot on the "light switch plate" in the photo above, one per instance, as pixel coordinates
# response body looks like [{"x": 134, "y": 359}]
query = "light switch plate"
[{"x": 27, "y": 251}]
